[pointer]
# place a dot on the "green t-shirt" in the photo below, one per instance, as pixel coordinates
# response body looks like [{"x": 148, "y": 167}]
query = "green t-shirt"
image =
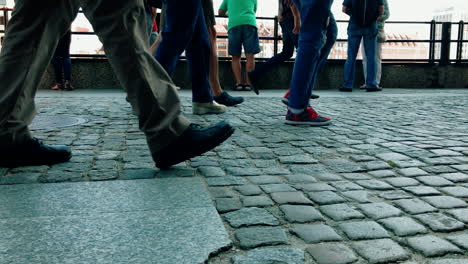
[{"x": 240, "y": 12}]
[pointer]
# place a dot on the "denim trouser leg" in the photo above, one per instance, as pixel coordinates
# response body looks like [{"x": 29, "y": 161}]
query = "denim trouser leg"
[
  {"x": 185, "y": 29},
  {"x": 314, "y": 15},
  {"x": 354, "y": 41},
  {"x": 289, "y": 43},
  {"x": 67, "y": 68},
  {"x": 370, "y": 44},
  {"x": 58, "y": 69}
]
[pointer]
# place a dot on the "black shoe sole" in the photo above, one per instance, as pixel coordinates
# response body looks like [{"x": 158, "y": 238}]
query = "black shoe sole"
[
  {"x": 37, "y": 161},
  {"x": 207, "y": 147},
  {"x": 253, "y": 83}
]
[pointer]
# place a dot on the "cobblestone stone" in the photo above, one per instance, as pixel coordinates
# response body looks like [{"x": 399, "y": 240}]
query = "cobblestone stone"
[
  {"x": 301, "y": 213},
  {"x": 224, "y": 205},
  {"x": 382, "y": 173},
  {"x": 315, "y": 233},
  {"x": 440, "y": 223},
  {"x": 379, "y": 210},
  {"x": 251, "y": 237},
  {"x": 271, "y": 188},
  {"x": 290, "y": 198},
  {"x": 432, "y": 246},
  {"x": 225, "y": 181},
  {"x": 271, "y": 255},
  {"x": 248, "y": 189},
  {"x": 363, "y": 230},
  {"x": 415, "y": 206},
  {"x": 460, "y": 214},
  {"x": 380, "y": 251},
  {"x": 421, "y": 190},
  {"x": 434, "y": 181},
  {"x": 403, "y": 226},
  {"x": 339, "y": 212},
  {"x": 402, "y": 181},
  {"x": 266, "y": 179},
  {"x": 211, "y": 171},
  {"x": 375, "y": 185},
  {"x": 456, "y": 191},
  {"x": 221, "y": 192},
  {"x": 445, "y": 202},
  {"x": 332, "y": 253},
  {"x": 411, "y": 172},
  {"x": 394, "y": 195},
  {"x": 250, "y": 216},
  {"x": 326, "y": 197},
  {"x": 257, "y": 201},
  {"x": 455, "y": 177},
  {"x": 460, "y": 240},
  {"x": 300, "y": 178},
  {"x": 358, "y": 196}
]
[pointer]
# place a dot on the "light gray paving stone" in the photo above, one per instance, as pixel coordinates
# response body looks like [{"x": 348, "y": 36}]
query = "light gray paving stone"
[
  {"x": 248, "y": 189},
  {"x": 460, "y": 214},
  {"x": 458, "y": 191},
  {"x": 332, "y": 253},
  {"x": 315, "y": 187},
  {"x": 432, "y": 246},
  {"x": 343, "y": 165},
  {"x": 440, "y": 169},
  {"x": 460, "y": 240},
  {"x": 271, "y": 188},
  {"x": 211, "y": 171},
  {"x": 355, "y": 176},
  {"x": 224, "y": 205},
  {"x": 225, "y": 181},
  {"x": 237, "y": 171},
  {"x": 421, "y": 190},
  {"x": 300, "y": 178},
  {"x": 377, "y": 165},
  {"x": 315, "y": 233},
  {"x": 394, "y": 195},
  {"x": 340, "y": 212},
  {"x": 265, "y": 179},
  {"x": 408, "y": 163},
  {"x": 392, "y": 156},
  {"x": 326, "y": 197},
  {"x": 271, "y": 255},
  {"x": 380, "y": 250},
  {"x": 379, "y": 210},
  {"x": 297, "y": 159},
  {"x": 221, "y": 192},
  {"x": 328, "y": 177},
  {"x": 363, "y": 230},
  {"x": 251, "y": 237},
  {"x": 382, "y": 173},
  {"x": 257, "y": 201},
  {"x": 434, "y": 181},
  {"x": 402, "y": 181},
  {"x": 346, "y": 186},
  {"x": 449, "y": 261},
  {"x": 445, "y": 152},
  {"x": 445, "y": 202},
  {"x": 455, "y": 176},
  {"x": 415, "y": 206},
  {"x": 440, "y": 223},
  {"x": 403, "y": 226},
  {"x": 275, "y": 171},
  {"x": 260, "y": 153},
  {"x": 375, "y": 185},
  {"x": 301, "y": 213},
  {"x": 440, "y": 161},
  {"x": 358, "y": 196},
  {"x": 412, "y": 172},
  {"x": 362, "y": 158},
  {"x": 249, "y": 217},
  {"x": 290, "y": 198}
]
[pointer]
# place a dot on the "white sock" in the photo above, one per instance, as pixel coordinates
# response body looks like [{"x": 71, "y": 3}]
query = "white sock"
[{"x": 295, "y": 110}]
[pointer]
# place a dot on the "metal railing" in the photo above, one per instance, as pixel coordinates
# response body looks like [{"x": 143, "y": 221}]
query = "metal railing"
[{"x": 444, "y": 42}]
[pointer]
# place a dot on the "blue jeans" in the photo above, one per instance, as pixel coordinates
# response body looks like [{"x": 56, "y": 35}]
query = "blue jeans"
[
  {"x": 185, "y": 29},
  {"x": 332, "y": 34},
  {"x": 369, "y": 35},
  {"x": 62, "y": 69},
  {"x": 289, "y": 44},
  {"x": 314, "y": 17}
]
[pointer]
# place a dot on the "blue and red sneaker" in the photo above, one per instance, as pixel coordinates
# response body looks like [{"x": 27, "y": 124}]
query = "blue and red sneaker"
[{"x": 307, "y": 117}]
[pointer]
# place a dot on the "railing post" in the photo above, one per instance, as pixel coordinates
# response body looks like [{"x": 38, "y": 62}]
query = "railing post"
[
  {"x": 445, "y": 44},
  {"x": 461, "y": 28},
  {"x": 275, "y": 41},
  {"x": 432, "y": 42}
]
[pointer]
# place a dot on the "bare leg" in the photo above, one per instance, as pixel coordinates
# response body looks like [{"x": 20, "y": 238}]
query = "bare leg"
[
  {"x": 250, "y": 65},
  {"x": 214, "y": 67},
  {"x": 236, "y": 68}
]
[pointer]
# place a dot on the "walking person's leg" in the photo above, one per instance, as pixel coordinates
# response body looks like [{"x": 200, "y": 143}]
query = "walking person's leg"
[
  {"x": 237, "y": 71},
  {"x": 170, "y": 136},
  {"x": 354, "y": 40},
  {"x": 364, "y": 65},
  {"x": 370, "y": 45},
  {"x": 32, "y": 35},
  {"x": 378, "y": 57},
  {"x": 57, "y": 64},
  {"x": 251, "y": 47},
  {"x": 235, "y": 50}
]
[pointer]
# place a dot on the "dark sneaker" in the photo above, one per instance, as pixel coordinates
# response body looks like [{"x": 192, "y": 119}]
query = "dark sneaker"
[
  {"x": 307, "y": 117},
  {"x": 195, "y": 141},
  {"x": 375, "y": 89},
  {"x": 33, "y": 153},
  {"x": 285, "y": 98},
  {"x": 253, "y": 82},
  {"x": 343, "y": 89},
  {"x": 228, "y": 100}
]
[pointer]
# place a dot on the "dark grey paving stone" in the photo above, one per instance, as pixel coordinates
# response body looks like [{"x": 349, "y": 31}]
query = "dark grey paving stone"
[
  {"x": 275, "y": 171},
  {"x": 412, "y": 172},
  {"x": 440, "y": 223},
  {"x": 251, "y": 237},
  {"x": 225, "y": 181},
  {"x": 297, "y": 159},
  {"x": 211, "y": 171},
  {"x": 343, "y": 165},
  {"x": 362, "y": 158},
  {"x": 34, "y": 200},
  {"x": 250, "y": 216},
  {"x": 332, "y": 253},
  {"x": 271, "y": 255},
  {"x": 402, "y": 181},
  {"x": 257, "y": 201},
  {"x": 458, "y": 191},
  {"x": 237, "y": 171},
  {"x": 328, "y": 177},
  {"x": 380, "y": 251},
  {"x": 382, "y": 173},
  {"x": 434, "y": 181},
  {"x": 290, "y": 198},
  {"x": 314, "y": 187},
  {"x": 134, "y": 174},
  {"x": 363, "y": 230},
  {"x": 300, "y": 178},
  {"x": 346, "y": 186},
  {"x": 315, "y": 233},
  {"x": 421, "y": 190},
  {"x": 272, "y": 188},
  {"x": 249, "y": 189},
  {"x": 358, "y": 196},
  {"x": 403, "y": 226},
  {"x": 432, "y": 246},
  {"x": 340, "y": 212},
  {"x": 460, "y": 240},
  {"x": 379, "y": 210},
  {"x": 415, "y": 206},
  {"x": 260, "y": 153},
  {"x": 20, "y": 178},
  {"x": 326, "y": 197},
  {"x": 224, "y": 205},
  {"x": 301, "y": 213},
  {"x": 355, "y": 176},
  {"x": 445, "y": 202},
  {"x": 375, "y": 185},
  {"x": 266, "y": 179},
  {"x": 460, "y": 214}
]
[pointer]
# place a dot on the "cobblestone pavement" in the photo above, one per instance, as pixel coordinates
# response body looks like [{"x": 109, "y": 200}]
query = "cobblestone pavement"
[{"x": 386, "y": 182}]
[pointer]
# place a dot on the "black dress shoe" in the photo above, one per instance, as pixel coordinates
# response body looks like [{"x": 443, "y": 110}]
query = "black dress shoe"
[
  {"x": 228, "y": 100},
  {"x": 253, "y": 82},
  {"x": 195, "y": 141},
  {"x": 343, "y": 89},
  {"x": 314, "y": 96},
  {"x": 33, "y": 153},
  {"x": 375, "y": 89}
]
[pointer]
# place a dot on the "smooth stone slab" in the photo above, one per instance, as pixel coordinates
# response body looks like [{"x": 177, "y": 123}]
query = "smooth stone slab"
[
  {"x": 271, "y": 255},
  {"x": 169, "y": 220}
]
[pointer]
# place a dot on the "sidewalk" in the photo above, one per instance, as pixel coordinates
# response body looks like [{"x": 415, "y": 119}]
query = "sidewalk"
[{"x": 386, "y": 182}]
